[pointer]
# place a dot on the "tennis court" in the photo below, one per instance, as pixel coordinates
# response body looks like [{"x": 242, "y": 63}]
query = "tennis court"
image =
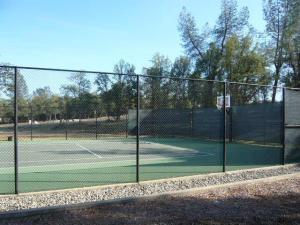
[
  {"x": 185, "y": 127},
  {"x": 57, "y": 164}
]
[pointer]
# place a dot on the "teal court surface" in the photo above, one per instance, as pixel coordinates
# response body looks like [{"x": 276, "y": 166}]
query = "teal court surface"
[{"x": 58, "y": 164}]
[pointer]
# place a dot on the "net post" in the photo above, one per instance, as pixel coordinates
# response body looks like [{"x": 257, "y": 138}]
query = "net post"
[
  {"x": 16, "y": 163},
  {"x": 224, "y": 127},
  {"x": 138, "y": 130},
  {"x": 283, "y": 127}
]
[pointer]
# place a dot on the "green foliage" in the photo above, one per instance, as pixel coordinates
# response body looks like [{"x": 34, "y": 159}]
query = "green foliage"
[
  {"x": 117, "y": 93},
  {"x": 80, "y": 85},
  {"x": 41, "y": 105},
  {"x": 230, "y": 22},
  {"x": 178, "y": 88},
  {"x": 155, "y": 87},
  {"x": 282, "y": 25},
  {"x": 226, "y": 51},
  {"x": 7, "y": 82},
  {"x": 192, "y": 41}
]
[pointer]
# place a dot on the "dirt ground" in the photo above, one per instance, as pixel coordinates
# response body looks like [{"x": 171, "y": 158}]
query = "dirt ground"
[{"x": 269, "y": 201}]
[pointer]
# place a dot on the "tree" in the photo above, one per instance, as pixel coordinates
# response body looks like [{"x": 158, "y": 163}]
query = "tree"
[
  {"x": 292, "y": 48},
  {"x": 73, "y": 94},
  {"x": 125, "y": 70},
  {"x": 207, "y": 48},
  {"x": 155, "y": 90},
  {"x": 41, "y": 103},
  {"x": 207, "y": 67},
  {"x": 103, "y": 83},
  {"x": 192, "y": 41},
  {"x": 6, "y": 111},
  {"x": 230, "y": 22},
  {"x": 57, "y": 106},
  {"x": 244, "y": 63},
  {"x": 181, "y": 68},
  {"x": 80, "y": 85},
  {"x": 113, "y": 101},
  {"x": 7, "y": 81},
  {"x": 278, "y": 15},
  {"x": 117, "y": 92},
  {"x": 292, "y": 79},
  {"x": 127, "y": 83},
  {"x": 7, "y": 88}
]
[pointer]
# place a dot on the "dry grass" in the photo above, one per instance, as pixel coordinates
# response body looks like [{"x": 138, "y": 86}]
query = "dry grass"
[{"x": 257, "y": 202}]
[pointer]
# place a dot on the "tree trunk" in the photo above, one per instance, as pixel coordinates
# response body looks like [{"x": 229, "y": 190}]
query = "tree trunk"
[{"x": 276, "y": 79}]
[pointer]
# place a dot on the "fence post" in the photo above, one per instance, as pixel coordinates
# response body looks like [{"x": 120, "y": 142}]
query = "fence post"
[
  {"x": 191, "y": 121},
  {"x": 31, "y": 122},
  {"x": 67, "y": 120},
  {"x": 192, "y": 111},
  {"x": 224, "y": 127},
  {"x": 283, "y": 126},
  {"x": 96, "y": 124},
  {"x": 16, "y": 129},
  {"x": 230, "y": 112},
  {"x": 127, "y": 124},
  {"x": 138, "y": 129}
]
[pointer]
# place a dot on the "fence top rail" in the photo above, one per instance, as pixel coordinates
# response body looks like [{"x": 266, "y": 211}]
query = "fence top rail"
[
  {"x": 143, "y": 75},
  {"x": 107, "y": 73}
]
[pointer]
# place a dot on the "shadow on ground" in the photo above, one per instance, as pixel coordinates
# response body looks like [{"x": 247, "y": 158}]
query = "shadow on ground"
[{"x": 279, "y": 209}]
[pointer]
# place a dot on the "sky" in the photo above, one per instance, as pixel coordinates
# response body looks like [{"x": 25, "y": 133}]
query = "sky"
[{"x": 96, "y": 34}]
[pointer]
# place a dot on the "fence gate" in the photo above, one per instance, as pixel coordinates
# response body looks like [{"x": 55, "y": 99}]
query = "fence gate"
[{"x": 292, "y": 125}]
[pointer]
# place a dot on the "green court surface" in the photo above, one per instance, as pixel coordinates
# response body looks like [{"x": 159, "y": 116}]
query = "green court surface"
[{"x": 59, "y": 164}]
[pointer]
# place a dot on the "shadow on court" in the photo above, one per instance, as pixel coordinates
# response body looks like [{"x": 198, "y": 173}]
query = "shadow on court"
[{"x": 159, "y": 158}]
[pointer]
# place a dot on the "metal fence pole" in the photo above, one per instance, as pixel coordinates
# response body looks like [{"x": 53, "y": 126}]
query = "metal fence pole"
[
  {"x": 230, "y": 112},
  {"x": 138, "y": 130},
  {"x": 283, "y": 126},
  {"x": 224, "y": 127},
  {"x": 191, "y": 121},
  {"x": 67, "y": 120},
  {"x": 192, "y": 114},
  {"x": 31, "y": 122},
  {"x": 264, "y": 124},
  {"x": 16, "y": 129},
  {"x": 96, "y": 124},
  {"x": 127, "y": 124}
]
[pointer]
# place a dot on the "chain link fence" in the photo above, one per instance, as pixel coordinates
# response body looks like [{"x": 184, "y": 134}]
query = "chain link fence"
[{"x": 67, "y": 128}]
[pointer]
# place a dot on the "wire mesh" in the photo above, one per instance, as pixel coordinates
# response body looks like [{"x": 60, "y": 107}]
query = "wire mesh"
[
  {"x": 73, "y": 132},
  {"x": 174, "y": 139},
  {"x": 79, "y": 128},
  {"x": 7, "y": 178},
  {"x": 7, "y": 172},
  {"x": 292, "y": 126},
  {"x": 254, "y": 127}
]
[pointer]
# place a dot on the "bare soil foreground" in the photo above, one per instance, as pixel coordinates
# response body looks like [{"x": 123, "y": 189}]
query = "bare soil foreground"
[{"x": 263, "y": 201}]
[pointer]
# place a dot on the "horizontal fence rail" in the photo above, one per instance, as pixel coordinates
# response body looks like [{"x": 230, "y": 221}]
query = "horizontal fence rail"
[
  {"x": 140, "y": 75},
  {"x": 62, "y": 128}
]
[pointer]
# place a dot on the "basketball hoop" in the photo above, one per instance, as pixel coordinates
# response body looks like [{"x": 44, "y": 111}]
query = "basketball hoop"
[{"x": 220, "y": 100}]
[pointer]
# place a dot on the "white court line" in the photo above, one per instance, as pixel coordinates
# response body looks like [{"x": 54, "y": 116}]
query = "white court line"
[
  {"x": 85, "y": 163},
  {"x": 112, "y": 161},
  {"x": 93, "y": 153},
  {"x": 47, "y": 160}
]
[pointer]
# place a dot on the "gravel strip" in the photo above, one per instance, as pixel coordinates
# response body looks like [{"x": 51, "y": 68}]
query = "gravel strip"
[
  {"x": 267, "y": 201},
  {"x": 84, "y": 195}
]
